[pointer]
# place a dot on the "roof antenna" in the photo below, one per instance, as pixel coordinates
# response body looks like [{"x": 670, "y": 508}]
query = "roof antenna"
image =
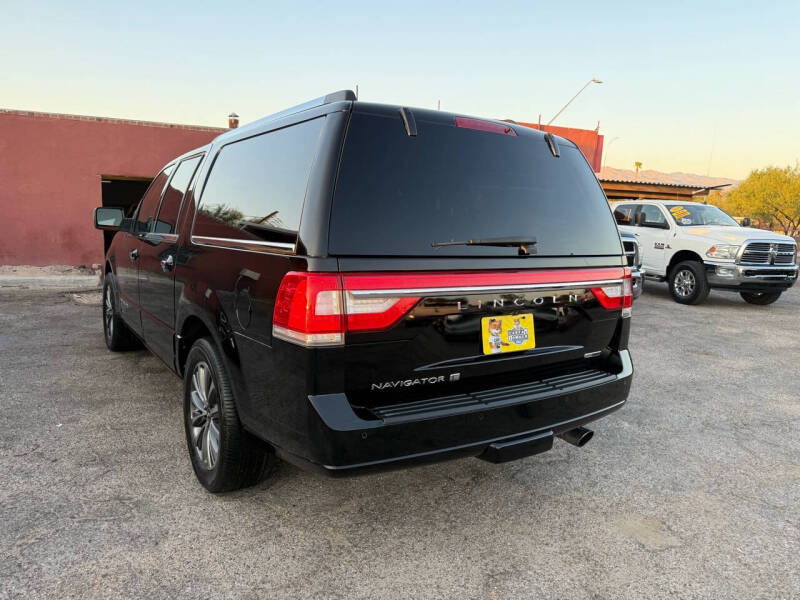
[
  {"x": 356, "y": 91},
  {"x": 438, "y": 105}
]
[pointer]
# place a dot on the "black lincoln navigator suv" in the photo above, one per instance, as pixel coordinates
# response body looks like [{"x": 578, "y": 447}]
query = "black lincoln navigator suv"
[{"x": 353, "y": 286}]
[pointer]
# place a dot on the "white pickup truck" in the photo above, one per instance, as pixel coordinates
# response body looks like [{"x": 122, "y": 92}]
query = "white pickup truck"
[{"x": 696, "y": 247}]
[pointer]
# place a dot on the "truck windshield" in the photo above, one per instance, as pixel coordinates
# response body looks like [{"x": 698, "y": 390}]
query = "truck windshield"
[
  {"x": 699, "y": 214},
  {"x": 431, "y": 194}
]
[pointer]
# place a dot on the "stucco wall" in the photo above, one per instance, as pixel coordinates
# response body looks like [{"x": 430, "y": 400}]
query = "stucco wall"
[{"x": 51, "y": 167}]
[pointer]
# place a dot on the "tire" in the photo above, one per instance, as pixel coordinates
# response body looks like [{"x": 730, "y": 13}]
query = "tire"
[
  {"x": 760, "y": 298},
  {"x": 117, "y": 335},
  {"x": 237, "y": 459},
  {"x": 688, "y": 283}
]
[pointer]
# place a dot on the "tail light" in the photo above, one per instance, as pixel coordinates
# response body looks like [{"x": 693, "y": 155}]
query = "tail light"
[
  {"x": 308, "y": 309},
  {"x": 317, "y": 309},
  {"x": 616, "y": 296}
]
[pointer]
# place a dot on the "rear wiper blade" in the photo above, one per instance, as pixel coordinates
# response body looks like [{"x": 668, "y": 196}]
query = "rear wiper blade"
[{"x": 525, "y": 245}]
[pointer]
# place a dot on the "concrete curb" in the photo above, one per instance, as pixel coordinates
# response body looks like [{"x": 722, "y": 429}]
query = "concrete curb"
[{"x": 70, "y": 282}]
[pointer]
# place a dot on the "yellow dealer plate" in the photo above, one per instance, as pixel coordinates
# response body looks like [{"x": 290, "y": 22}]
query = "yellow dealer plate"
[{"x": 507, "y": 333}]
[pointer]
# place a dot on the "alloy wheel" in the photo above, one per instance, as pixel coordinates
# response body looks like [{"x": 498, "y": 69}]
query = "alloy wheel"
[
  {"x": 684, "y": 283},
  {"x": 108, "y": 312},
  {"x": 204, "y": 415}
]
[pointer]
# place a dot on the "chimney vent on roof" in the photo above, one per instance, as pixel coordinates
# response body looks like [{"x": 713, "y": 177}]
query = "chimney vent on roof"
[{"x": 233, "y": 120}]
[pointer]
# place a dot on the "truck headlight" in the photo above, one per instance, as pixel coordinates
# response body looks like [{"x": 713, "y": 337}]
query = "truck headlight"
[{"x": 724, "y": 251}]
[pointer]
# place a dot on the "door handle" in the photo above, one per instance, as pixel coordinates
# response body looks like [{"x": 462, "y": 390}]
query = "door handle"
[
  {"x": 134, "y": 254},
  {"x": 168, "y": 264}
]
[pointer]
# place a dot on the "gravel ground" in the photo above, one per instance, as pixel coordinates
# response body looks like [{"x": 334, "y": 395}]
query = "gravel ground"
[{"x": 692, "y": 490}]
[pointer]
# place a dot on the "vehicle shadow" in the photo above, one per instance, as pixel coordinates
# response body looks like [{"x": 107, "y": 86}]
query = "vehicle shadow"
[
  {"x": 456, "y": 495},
  {"x": 717, "y": 298}
]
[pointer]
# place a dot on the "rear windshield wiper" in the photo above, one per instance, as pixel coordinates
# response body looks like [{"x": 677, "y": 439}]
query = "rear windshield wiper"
[{"x": 525, "y": 245}]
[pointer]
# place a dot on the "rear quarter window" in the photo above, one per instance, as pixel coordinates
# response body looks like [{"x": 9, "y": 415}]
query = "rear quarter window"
[
  {"x": 397, "y": 194},
  {"x": 256, "y": 187}
]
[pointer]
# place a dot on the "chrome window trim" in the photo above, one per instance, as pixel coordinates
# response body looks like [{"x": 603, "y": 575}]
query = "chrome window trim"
[
  {"x": 236, "y": 243},
  {"x": 154, "y": 236},
  {"x": 483, "y": 288}
]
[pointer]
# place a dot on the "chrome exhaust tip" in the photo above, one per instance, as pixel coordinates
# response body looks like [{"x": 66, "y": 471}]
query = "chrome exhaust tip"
[{"x": 578, "y": 436}]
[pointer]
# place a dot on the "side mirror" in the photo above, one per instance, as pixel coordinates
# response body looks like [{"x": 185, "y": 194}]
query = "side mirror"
[
  {"x": 639, "y": 219},
  {"x": 108, "y": 218},
  {"x": 746, "y": 222}
]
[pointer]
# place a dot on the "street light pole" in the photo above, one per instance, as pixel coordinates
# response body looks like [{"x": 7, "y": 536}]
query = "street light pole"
[{"x": 563, "y": 108}]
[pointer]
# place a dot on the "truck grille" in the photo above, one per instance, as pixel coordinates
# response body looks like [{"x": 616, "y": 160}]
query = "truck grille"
[{"x": 759, "y": 253}]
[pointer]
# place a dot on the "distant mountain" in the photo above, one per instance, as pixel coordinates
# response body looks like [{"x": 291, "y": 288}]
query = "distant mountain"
[{"x": 657, "y": 176}]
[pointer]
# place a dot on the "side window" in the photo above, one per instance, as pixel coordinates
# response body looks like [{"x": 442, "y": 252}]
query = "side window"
[
  {"x": 653, "y": 217},
  {"x": 623, "y": 214},
  {"x": 256, "y": 187},
  {"x": 171, "y": 203},
  {"x": 147, "y": 207}
]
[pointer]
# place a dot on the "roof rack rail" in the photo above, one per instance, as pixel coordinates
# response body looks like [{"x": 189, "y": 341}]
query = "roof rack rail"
[{"x": 340, "y": 96}]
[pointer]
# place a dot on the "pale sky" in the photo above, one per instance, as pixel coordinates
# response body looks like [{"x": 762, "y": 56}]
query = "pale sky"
[{"x": 698, "y": 87}]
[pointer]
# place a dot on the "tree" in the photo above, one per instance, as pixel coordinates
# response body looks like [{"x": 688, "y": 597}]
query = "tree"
[
  {"x": 224, "y": 213},
  {"x": 772, "y": 195}
]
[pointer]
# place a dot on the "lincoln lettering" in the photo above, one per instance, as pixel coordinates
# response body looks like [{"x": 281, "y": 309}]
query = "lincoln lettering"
[{"x": 508, "y": 302}]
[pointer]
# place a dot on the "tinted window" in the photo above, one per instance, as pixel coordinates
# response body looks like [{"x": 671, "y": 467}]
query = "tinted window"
[
  {"x": 623, "y": 214},
  {"x": 397, "y": 195},
  {"x": 256, "y": 187},
  {"x": 171, "y": 203},
  {"x": 149, "y": 203},
  {"x": 653, "y": 215}
]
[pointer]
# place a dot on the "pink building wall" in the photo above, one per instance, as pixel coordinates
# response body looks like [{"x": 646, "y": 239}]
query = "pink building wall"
[{"x": 51, "y": 167}]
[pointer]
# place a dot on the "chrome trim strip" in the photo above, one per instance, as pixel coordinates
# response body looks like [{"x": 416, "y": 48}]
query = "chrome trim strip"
[
  {"x": 203, "y": 240},
  {"x": 309, "y": 340},
  {"x": 154, "y": 236},
  {"x": 474, "y": 289}
]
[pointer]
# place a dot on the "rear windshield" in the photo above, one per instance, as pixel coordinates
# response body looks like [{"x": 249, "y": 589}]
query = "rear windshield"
[{"x": 399, "y": 195}]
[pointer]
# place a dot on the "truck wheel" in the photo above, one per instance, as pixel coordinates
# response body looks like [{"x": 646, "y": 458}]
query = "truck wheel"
[
  {"x": 117, "y": 335},
  {"x": 760, "y": 298},
  {"x": 688, "y": 283},
  {"x": 224, "y": 456}
]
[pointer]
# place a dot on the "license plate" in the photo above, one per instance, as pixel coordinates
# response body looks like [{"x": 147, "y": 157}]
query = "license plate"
[{"x": 507, "y": 333}]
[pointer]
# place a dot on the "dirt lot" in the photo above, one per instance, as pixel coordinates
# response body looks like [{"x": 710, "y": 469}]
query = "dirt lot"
[{"x": 692, "y": 490}]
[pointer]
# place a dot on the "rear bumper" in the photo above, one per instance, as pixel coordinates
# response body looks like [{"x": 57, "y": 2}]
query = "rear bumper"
[
  {"x": 637, "y": 276},
  {"x": 757, "y": 278},
  {"x": 498, "y": 426}
]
